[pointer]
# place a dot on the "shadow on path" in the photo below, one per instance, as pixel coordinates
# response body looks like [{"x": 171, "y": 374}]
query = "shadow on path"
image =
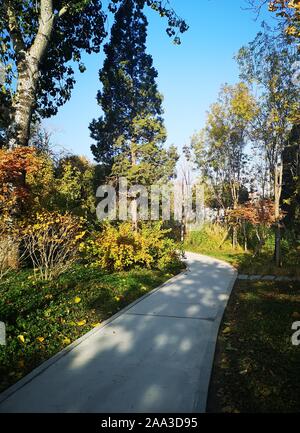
[{"x": 154, "y": 357}]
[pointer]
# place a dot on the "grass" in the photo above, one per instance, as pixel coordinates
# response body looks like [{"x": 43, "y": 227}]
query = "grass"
[
  {"x": 42, "y": 318},
  {"x": 208, "y": 241},
  {"x": 256, "y": 366}
]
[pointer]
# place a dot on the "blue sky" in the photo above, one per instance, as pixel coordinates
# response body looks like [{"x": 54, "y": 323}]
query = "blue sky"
[{"x": 190, "y": 75}]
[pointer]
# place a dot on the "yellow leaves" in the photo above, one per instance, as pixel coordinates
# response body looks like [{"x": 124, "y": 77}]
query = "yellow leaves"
[
  {"x": 66, "y": 341},
  {"x": 80, "y": 236},
  {"x": 95, "y": 325},
  {"x": 40, "y": 339},
  {"x": 227, "y": 330},
  {"x": 21, "y": 339},
  {"x": 81, "y": 323},
  {"x": 117, "y": 298},
  {"x": 291, "y": 31},
  {"x": 77, "y": 300}
]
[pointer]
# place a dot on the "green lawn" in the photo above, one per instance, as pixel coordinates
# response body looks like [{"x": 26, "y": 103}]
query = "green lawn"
[
  {"x": 208, "y": 243},
  {"x": 256, "y": 366},
  {"x": 42, "y": 318}
]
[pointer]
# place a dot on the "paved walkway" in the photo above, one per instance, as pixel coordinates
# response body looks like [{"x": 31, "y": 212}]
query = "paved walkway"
[{"x": 155, "y": 356}]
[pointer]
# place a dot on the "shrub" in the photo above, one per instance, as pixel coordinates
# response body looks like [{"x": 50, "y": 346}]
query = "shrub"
[
  {"x": 209, "y": 238},
  {"x": 52, "y": 242},
  {"x": 120, "y": 248},
  {"x": 11, "y": 256}
]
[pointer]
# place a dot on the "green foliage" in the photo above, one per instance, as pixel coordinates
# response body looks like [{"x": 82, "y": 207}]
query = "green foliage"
[
  {"x": 291, "y": 181},
  {"x": 79, "y": 29},
  {"x": 219, "y": 149},
  {"x": 120, "y": 247},
  {"x": 65, "y": 185},
  {"x": 42, "y": 318},
  {"x": 267, "y": 64},
  {"x": 210, "y": 241}
]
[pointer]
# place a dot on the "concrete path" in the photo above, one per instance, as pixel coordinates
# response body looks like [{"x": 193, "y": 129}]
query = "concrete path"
[{"x": 155, "y": 356}]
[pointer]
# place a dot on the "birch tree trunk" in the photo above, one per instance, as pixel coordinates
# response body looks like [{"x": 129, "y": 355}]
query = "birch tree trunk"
[{"x": 28, "y": 60}]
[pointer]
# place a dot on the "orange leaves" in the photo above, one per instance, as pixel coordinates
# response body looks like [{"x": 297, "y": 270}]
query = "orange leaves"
[
  {"x": 261, "y": 212},
  {"x": 14, "y": 162},
  {"x": 13, "y": 166}
]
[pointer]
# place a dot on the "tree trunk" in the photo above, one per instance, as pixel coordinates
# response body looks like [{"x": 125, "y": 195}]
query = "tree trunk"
[
  {"x": 23, "y": 104},
  {"x": 134, "y": 207},
  {"x": 277, "y": 192},
  {"x": 245, "y": 237},
  {"x": 235, "y": 198},
  {"x": 28, "y": 62}
]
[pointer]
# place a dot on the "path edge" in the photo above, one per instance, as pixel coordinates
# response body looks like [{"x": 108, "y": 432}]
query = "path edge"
[
  {"x": 47, "y": 364},
  {"x": 200, "y": 403}
]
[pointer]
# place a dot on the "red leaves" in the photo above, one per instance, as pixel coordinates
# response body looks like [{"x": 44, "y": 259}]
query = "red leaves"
[
  {"x": 13, "y": 166},
  {"x": 261, "y": 212}
]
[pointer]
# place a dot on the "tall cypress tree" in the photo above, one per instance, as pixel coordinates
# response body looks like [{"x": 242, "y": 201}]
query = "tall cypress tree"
[{"x": 130, "y": 135}]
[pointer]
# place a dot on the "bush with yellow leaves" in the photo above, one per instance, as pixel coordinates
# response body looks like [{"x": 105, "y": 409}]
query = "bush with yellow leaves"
[
  {"x": 119, "y": 247},
  {"x": 52, "y": 242}
]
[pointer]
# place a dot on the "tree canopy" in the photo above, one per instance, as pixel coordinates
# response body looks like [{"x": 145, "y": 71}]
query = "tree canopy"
[{"x": 131, "y": 133}]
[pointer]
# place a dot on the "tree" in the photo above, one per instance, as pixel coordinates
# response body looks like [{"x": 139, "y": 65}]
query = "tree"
[
  {"x": 39, "y": 40},
  {"x": 131, "y": 134},
  {"x": 220, "y": 148},
  {"x": 267, "y": 63},
  {"x": 15, "y": 195},
  {"x": 260, "y": 214},
  {"x": 291, "y": 181},
  {"x": 75, "y": 190},
  {"x": 289, "y": 11}
]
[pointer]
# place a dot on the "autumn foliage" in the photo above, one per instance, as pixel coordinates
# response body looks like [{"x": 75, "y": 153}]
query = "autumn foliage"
[
  {"x": 261, "y": 212},
  {"x": 289, "y": 10},
  {"x": 14, "y": 165},
  {"x": 52, "y": 241}
]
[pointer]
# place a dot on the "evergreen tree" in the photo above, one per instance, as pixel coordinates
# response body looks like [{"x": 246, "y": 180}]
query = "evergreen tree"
[
  {"x": 131, "y": 134},
  {"x": 291, "y": 180}
]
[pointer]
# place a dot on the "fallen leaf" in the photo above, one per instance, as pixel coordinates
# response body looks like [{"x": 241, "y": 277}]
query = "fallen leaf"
[
  {"x": 81, "y": 323},
  {"x": 21, "y": 338},
  {"x": 94, "y": 325}
]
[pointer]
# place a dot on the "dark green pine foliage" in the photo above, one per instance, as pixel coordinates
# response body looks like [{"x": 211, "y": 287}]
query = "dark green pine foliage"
[
  {"x": 130, "y": 135},
  {"x": 291, "y": 181}
]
